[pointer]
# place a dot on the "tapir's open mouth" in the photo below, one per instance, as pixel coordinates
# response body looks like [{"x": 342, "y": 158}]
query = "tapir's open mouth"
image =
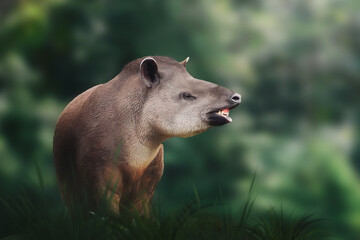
[{"x": 220, "y": 116}]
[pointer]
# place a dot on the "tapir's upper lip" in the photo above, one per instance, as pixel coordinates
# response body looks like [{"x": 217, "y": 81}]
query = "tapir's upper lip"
[
  {"x": 216, "y": 119},
  {"x": 230, "y": 106}
]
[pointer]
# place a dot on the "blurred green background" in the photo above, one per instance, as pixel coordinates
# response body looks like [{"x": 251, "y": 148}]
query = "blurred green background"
[{"x": 295, "y": 63}]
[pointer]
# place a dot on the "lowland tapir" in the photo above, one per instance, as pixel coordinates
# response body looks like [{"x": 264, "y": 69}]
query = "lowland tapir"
[{"x": 108, "y": 140}]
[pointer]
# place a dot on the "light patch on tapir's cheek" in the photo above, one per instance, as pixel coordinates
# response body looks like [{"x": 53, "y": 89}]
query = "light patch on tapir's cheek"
[
  {"x": 188, "y": 122},
  {"x": 171, "y": 116}
]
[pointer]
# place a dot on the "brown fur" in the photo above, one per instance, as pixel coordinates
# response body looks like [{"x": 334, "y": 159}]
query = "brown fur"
[{"x": 108, "y": 139}]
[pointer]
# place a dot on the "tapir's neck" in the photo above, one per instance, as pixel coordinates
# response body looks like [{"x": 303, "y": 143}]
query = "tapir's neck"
[
  {"x": 138, "y": 155},
  {"x": 139, "y": 144},
  {"x": 145, "y": 146}
]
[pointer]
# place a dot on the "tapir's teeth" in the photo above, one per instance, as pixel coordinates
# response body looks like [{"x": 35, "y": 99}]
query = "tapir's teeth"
[{"x": 221, "y": 112}]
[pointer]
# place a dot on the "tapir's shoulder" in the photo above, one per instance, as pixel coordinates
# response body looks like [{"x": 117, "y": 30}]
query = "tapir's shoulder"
[
  {"x": 74, "y": 110},
  {"x": 79, "y": 101}
]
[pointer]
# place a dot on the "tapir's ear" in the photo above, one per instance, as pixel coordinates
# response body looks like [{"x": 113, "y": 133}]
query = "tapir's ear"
[
  {"x": 185, "y": 61},
  {"x": 149, "y": 71}
]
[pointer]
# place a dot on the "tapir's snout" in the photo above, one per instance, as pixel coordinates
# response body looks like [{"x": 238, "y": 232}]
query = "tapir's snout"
[{"x": 220, "y": 115}]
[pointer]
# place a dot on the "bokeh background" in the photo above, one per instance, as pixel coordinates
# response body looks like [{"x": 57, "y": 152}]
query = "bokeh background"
[{"x": 295, "y": 62}]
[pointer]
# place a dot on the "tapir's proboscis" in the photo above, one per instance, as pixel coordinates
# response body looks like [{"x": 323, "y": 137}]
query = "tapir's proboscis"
[{"x": 108, "y": 140}]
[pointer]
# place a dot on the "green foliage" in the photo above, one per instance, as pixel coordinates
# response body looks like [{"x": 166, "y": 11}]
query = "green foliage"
[
  {"x": 296, "y": 64},
  {"x": 30, "y": 219},
  {"x": 275, "y": 226}
]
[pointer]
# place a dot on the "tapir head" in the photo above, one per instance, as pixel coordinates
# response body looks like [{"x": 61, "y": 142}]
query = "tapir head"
[{"x": 179, "y": 105}]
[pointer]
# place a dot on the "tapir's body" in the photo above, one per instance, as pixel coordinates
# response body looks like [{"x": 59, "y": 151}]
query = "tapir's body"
[{"x": 107, "y": 141}]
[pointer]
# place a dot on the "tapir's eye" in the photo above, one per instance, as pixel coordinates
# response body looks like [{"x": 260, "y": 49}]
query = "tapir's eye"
[{"x": 188, "y": 96}]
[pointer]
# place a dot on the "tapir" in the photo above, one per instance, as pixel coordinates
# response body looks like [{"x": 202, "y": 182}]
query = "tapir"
[{"x": 108, "y": 140}]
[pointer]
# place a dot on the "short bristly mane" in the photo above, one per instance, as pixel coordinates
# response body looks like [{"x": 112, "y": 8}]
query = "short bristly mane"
[{"x": 134, "y": 66}]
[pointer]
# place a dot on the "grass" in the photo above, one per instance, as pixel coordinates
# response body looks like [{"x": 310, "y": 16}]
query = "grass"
[{"x": 30, "y": 219}]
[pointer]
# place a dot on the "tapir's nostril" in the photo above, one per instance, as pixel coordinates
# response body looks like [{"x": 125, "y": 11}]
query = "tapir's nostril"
[{"x": 236, "y": 98}]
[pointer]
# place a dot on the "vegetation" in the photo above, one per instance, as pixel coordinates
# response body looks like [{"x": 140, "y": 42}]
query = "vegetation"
[
  {"x": 30, "y": 219},
  {"x": 296, "y": 64}
]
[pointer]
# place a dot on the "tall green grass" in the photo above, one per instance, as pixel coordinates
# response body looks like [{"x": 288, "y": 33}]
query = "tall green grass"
[{"x": 38, "y": 219}]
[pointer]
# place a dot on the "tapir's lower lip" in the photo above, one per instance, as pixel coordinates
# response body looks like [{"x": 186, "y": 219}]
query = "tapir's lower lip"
[{"x": 219, "y": 117}]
